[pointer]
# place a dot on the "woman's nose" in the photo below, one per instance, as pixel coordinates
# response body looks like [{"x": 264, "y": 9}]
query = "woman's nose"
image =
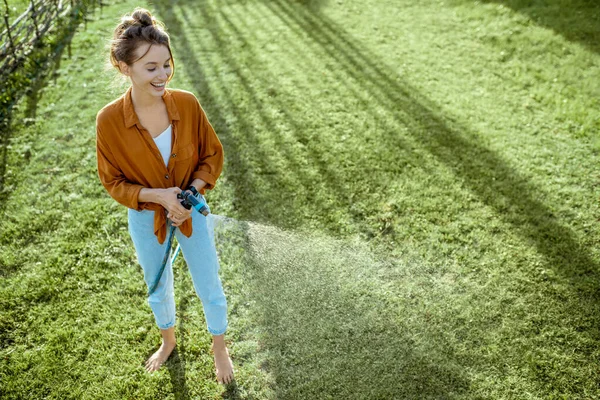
[{"x": 165, "y": 73}]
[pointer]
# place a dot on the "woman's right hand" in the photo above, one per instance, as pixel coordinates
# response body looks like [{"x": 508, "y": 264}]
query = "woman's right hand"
[{"x": 175, "y": 211}]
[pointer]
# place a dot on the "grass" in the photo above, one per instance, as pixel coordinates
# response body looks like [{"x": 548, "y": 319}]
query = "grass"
[{"x": 411, "y": 195}]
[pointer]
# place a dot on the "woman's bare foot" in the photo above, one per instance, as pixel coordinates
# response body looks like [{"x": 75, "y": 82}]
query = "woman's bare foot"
[
  {"x": 157, "y": 359},
  {"x": 223, "y": 363}
]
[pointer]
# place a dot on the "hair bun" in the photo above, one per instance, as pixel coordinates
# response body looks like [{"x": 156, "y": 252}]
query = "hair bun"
[
  {"x": 135, "y": 29},
  {"x": 143, "y": 17}
]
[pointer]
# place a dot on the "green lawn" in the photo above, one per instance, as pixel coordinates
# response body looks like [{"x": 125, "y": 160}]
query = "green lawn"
[{"x": 408, "y": 209}]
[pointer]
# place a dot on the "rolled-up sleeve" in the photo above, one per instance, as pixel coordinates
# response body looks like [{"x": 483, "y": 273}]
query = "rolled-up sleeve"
[
  {"x": 112, "y": 178},
  {"x": 210, "y": 152}
]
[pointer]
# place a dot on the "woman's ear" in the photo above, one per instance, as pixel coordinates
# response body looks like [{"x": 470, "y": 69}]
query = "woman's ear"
[{"x": 124, "y": 68}]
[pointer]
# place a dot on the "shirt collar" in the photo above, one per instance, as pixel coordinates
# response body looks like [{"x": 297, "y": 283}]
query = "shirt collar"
[{"x": 131, "y": 117}]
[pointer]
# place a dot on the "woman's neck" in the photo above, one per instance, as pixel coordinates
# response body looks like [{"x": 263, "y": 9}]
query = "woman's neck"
[{"x": 144, "y": 101}]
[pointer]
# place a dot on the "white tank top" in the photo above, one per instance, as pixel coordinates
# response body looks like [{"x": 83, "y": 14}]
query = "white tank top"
[{"x": 163, "y": 142}]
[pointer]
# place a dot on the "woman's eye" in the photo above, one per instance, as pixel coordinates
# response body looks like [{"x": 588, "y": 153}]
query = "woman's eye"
[{"x": 154, "y": 69}]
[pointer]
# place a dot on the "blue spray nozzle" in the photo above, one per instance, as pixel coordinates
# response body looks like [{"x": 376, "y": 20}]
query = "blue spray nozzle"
[{"x": 189, "y": 201}]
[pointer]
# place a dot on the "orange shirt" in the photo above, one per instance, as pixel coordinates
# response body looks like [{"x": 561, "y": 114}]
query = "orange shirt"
[{"x": 128, "y": 159}]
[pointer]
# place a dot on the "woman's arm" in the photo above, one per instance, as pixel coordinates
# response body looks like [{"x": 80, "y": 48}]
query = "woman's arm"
[
  {"x": 112, "y": 177},
  {"x": 147, "y": 195},
  {"x": 198, "y": 184}
]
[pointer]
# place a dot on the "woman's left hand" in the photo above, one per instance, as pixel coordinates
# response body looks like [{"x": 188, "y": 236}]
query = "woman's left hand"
[{"x": 180, "y": 218}]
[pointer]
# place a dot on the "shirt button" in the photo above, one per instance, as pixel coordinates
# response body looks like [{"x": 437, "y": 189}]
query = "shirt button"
[
  {"x": 166, "y": 176},
  {"x": 174, "y": 155}
]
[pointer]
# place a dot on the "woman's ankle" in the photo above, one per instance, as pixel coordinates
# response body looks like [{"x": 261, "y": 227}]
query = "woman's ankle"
[
  {"x": 219, "y": 343},
  {"x": 168, "y": 336}
]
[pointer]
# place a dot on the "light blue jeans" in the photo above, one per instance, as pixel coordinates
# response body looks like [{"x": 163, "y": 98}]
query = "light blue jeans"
[{"x": 200, "y": 255}]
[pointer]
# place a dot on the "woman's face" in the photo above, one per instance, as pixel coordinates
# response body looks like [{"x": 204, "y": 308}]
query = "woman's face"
[{"x": 150, "y": 73}]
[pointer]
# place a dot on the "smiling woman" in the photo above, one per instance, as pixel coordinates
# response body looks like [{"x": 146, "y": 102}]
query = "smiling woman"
[{"x": 151, "y": 142}]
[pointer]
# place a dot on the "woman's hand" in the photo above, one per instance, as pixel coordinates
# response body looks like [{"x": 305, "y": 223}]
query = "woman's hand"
[{"x": 175, "y": 211}]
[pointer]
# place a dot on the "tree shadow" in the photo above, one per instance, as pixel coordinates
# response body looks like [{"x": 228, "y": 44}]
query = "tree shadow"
[
  {"x": 176, "y": 367},
  {"x": 314, "y": 5},
  {"x": 577, "y": 21},
  {"x": 177, "y": 361}
]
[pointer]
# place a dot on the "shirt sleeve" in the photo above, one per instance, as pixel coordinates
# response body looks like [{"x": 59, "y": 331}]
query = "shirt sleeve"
[
  {"x": 210, "y": 152},
  {"x": 111, "y": 176}
]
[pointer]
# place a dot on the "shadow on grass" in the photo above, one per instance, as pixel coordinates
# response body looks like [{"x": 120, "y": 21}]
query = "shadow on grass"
[
  {"x": 314, "y": 5},
  {"x": 576, "y": 20},
  {"x": 176, "y": 364},
  {"x": 176, "y": 368},
  {"x": 249, "y": 187},
  {"x": 483, "y": 172},
  {"x": 232, "y": 391}
]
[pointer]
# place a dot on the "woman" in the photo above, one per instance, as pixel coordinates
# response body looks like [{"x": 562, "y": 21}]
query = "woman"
[{"x": 151, "y": 143}]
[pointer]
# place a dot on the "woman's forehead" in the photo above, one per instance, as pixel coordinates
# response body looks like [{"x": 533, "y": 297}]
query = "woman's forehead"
[{"x": 158, "y": 53}]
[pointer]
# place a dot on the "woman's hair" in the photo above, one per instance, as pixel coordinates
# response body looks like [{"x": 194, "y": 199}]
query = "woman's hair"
[{"x": 134, "y": 30}]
